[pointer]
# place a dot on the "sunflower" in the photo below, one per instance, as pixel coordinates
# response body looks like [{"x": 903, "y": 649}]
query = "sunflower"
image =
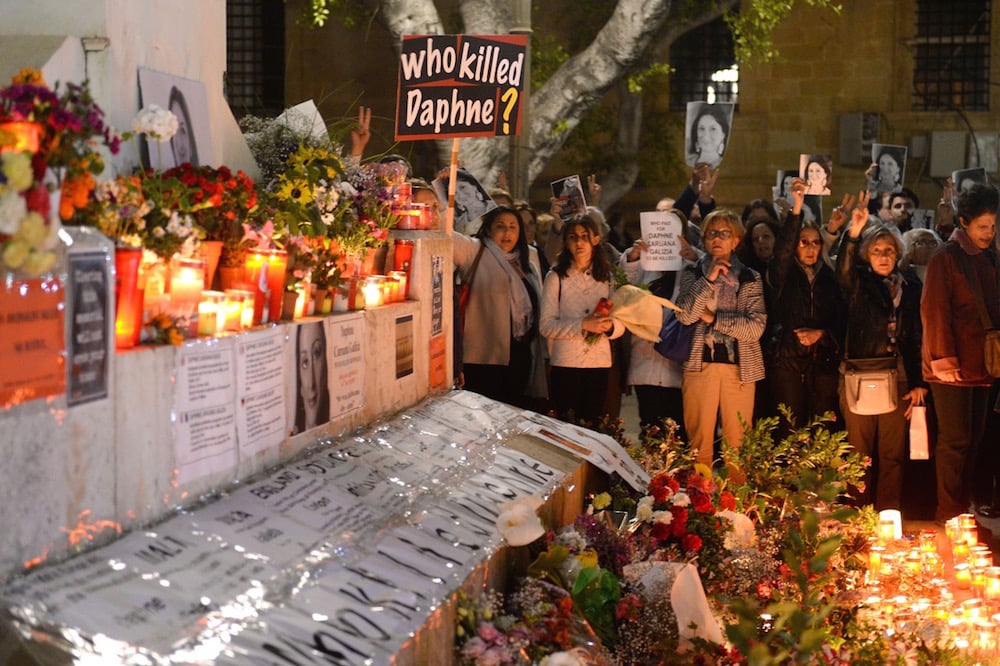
[{"x": 295, "y": 189}]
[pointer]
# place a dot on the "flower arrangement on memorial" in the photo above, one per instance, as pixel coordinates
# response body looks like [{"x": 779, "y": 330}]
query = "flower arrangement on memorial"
[
  {"x": 28, "y": 239},
  {"x": 302, "y": 259},
  {"x": 781, "y": 558},
  {"x": 222, "y": 201},
  {"x": 44, "y": 132}
]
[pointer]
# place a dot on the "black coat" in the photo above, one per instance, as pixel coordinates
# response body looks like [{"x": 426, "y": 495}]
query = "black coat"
[
  {"x": 794, "y": 302},
  {"x": 870, "y": 308}
]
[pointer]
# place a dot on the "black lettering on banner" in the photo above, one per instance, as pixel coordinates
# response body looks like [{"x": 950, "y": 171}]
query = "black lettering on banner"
[{"x": 452, "y": 86}]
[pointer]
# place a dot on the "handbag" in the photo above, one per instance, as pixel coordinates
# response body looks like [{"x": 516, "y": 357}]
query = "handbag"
[
  {"x": 919, "y": 441},
  {"x": 870, "y": 385},
  {"x": 464, "y": 289},
  {"x": 991, "y": 346},
  {"x": 675, "y": 338}
]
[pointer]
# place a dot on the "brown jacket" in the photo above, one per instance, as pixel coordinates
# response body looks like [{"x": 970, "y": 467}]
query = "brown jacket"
[{"x": 954, "y": 335}]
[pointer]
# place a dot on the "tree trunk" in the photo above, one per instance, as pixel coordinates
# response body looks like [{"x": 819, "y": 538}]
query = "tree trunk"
[{"x": 622, "y": 177}]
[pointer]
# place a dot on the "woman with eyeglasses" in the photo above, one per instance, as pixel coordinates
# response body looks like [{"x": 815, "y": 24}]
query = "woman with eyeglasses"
[
  {"x": 724, "y": 300},
  {"x": 806, "y": 319},
  {"x": 883, "y": 321}
]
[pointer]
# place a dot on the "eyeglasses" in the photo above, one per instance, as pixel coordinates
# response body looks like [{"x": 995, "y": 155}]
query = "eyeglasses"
[
  {"x": 925, "y": 242},
  {"x": 724, "y": 234},
  {"x": 889, "y": 254},
  {"x": 806, "y": 242}
]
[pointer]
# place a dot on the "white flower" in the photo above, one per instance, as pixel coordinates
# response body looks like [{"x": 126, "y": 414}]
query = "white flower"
[
  {"x": 572, "y": 539},
  {"x": 681, "y": 499},
  {"x": 13, "y": 208},
  {"x": 519, "y": 523},
  {"x": 742, "y": 534},
  {"x": 644, "y": 510},
  {"x": 570, "y": 658},
  {"x": 158, "y": 123},
  {"x": 159, "y": 232},
  {"x": 663, "y": 517}
]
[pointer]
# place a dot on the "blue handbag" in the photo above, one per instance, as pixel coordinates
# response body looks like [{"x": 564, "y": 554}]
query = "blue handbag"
[{"x": 675, "y": 338}]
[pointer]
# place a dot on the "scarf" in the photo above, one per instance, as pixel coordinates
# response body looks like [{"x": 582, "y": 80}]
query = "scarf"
[{"x": 521, "y": 313}]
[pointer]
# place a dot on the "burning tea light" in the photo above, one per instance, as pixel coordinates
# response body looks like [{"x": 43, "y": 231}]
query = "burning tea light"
[
  {"x": 211, "y": 313},
  {"x": 963, "y": 576},
  {"x": 960, "y": 551},
  {"x": 373, "y": 292},
  {"x": 991, "y": 584},
  {"x": 875, "y": 556},
  {"x": 239, "y": 309},
  {"x": 890, "y": 525}
]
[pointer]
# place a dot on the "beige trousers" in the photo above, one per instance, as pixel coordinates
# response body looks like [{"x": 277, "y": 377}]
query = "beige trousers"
[{"x": 707, "y": 393}]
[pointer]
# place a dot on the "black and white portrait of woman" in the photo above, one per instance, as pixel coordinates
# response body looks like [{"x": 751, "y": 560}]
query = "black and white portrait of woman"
[
  {"x": 182, "y": 144},
  {"x": 187, "y": 99},
  {"x": 890, "y": 165},
  {"x": 312, "y": 390},
  {"x": 707, "y": 132}
]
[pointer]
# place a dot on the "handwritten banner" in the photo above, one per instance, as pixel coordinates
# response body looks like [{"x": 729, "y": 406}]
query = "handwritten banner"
[
  {"x": 662, "y": 232},
  {"x": 453, "y": 86}
]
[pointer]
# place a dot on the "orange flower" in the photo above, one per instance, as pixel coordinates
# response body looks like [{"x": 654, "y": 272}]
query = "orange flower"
[{"x": 28, "y": 77}]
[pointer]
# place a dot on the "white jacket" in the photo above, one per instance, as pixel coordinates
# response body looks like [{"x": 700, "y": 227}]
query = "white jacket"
[{"x": 565, "y": 303}]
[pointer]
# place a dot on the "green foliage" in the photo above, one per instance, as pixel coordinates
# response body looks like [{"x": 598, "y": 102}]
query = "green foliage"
[
  {"x": 757, "y": 19},
  {"x": 350, "y": 13},
  {"x": 812, "y": 465},
  {"x": 595, "y": 593}
]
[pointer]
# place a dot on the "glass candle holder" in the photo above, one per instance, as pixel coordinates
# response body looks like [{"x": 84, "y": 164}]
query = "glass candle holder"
[
  {"x": 265, "y": 270},
  {"x": 890, "y": 525},
  {"x": 239, "y": 309},
  {"x": 372, "y": 289},
  {"x": 402, "y": 287},
  {"x": 187, "y": 281},
  {"x": 128, "y": 297},
  {"x": 963, "y": 576},
  {"x": 211, "y": 313}
]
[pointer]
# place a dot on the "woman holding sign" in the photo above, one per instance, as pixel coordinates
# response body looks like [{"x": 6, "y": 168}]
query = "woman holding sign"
[
  {"x": 655, "y": 378},
  {"x": 806, "y": 317}
]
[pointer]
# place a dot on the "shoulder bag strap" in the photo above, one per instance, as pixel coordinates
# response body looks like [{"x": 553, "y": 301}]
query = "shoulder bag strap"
[
  {"x": 977, "y": 289},
  {"x": 475, "y": 264}
]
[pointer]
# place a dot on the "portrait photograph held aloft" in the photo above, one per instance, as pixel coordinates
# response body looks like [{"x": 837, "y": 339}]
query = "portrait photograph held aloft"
[
  {"x": 569, "y": 192},
  {"x": 964, "y": 179},
  {"x": 707, "y": 132},
  {"x": 817, "y": 171},
  {"x": 472, "y": 201},
  {"x": 889, "y": 167}
]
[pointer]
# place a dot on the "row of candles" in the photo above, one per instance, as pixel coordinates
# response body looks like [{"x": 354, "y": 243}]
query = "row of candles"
[
  {"x": 182, "y": 293},
  {"x": 965, "y": 605},
  {"x": 233, "y": 309}
]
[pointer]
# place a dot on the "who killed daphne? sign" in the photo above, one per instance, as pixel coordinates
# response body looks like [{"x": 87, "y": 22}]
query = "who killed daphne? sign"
[{"x": 453, "y": 86}]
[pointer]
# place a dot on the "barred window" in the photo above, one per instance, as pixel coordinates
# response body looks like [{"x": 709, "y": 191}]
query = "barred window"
[
  {"x": 255, "y": 57},
  {"x": 951, "y": 67},
  {"x": 705, "y": 66}
]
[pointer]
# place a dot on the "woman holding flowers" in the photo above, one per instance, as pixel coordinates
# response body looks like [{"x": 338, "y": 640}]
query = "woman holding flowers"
[{"x": 576, "y": 322}]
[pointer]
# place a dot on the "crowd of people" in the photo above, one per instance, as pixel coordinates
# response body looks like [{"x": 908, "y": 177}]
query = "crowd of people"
[
  {"x": 785, "y": 312},
  {"x": 781, "y": 308}
]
